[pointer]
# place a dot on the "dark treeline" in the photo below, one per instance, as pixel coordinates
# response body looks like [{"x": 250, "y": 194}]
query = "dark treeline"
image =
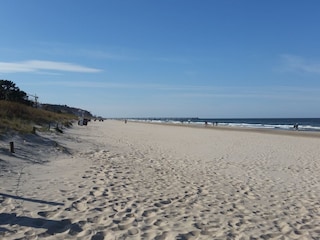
[
  {"x": 66, "y": 109},
  {"x": 10, "y": 92}
]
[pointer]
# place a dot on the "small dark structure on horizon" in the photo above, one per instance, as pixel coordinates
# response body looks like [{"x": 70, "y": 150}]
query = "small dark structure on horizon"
[{"x": 83, "y": 121}]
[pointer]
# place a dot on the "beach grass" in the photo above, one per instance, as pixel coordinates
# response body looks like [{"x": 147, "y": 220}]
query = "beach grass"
[{"x": 18, "y": 117}]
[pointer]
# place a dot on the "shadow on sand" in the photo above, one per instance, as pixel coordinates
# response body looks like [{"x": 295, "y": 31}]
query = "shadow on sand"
[
  {"x": 28, "y": 144},
  {"x": 31, "y": 200},
  {"x": 52, "y": 226}
]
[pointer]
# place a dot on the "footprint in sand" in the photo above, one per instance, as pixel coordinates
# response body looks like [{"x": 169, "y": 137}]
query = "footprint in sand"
[
  {"x": 190, "y": 235},
  {"x": 133, "y": 232},
  {"x": 126, "y": 223},
  {"x": 149, "y": 212},
  {"x": 71, "y": 198},
  {"x": 160, "y": 223},
  {"x": 149, "y": 216},
  {"x": 47, "y": 214},
  {"x": 80, "y": 205},
  {"x": 164, "y": 236},
  {"x": 98, "y": 191},
  {"x": 99, "y": 181},
  {"x": 75, "y": 229},
  {"x": 165, "y": 202},
  {"x": 99, "y": 236},
  {"x": 95, "y": 219}
]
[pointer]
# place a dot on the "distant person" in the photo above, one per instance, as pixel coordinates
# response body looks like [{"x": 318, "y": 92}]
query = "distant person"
[{"x": 296, "y": 126}]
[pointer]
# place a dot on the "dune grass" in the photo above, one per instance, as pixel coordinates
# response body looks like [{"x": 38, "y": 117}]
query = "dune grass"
[{"x": 22, "y": 118}]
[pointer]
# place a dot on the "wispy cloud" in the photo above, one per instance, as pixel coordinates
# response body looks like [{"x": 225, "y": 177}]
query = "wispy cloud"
[
  {"x": 103, "y": 52},
  {"x": 37, "y": 66},
  {"x": 299, "y": 64},
  {"x": 196, "y": 91},
  {"x": 138, "y": 86}
]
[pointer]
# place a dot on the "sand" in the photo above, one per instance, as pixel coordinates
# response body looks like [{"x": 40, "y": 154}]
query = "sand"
[{"x": 111, "y": 180}]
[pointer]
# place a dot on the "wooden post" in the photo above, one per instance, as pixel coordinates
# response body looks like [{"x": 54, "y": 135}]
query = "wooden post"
[
  {"x": 11, "y": 147},
  {"x": 34, "y": 130}
]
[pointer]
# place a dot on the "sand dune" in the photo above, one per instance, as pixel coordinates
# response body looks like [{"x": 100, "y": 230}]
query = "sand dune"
[{"x": 112, "y": 180}]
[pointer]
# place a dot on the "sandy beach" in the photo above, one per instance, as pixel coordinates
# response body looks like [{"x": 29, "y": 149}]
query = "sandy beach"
[{"x": 111, "y": 180}]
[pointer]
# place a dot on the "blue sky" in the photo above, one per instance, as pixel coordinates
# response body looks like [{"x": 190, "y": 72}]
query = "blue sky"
[{"x": 176, "y": 58}]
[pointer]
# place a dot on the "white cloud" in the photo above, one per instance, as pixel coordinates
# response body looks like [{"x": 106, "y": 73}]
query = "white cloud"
[
  {"x": 38, "y": 66},
  {"x": 296, "y": 63}
]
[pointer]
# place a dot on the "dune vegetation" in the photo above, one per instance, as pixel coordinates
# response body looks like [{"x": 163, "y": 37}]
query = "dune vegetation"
[{"x": 22, "y": 118}]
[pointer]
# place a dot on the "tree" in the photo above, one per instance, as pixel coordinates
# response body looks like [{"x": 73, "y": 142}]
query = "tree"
[{"x": 10, "y": 92}]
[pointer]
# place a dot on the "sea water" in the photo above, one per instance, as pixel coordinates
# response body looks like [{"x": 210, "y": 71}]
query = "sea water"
[{"x": 304, "y": 124}]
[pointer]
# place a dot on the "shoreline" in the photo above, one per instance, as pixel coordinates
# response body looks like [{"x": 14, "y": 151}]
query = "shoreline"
[{"x": 299, "y": 133}]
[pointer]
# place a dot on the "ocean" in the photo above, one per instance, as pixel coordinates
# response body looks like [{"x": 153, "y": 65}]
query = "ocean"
[{"x": 304, "y": 124}]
